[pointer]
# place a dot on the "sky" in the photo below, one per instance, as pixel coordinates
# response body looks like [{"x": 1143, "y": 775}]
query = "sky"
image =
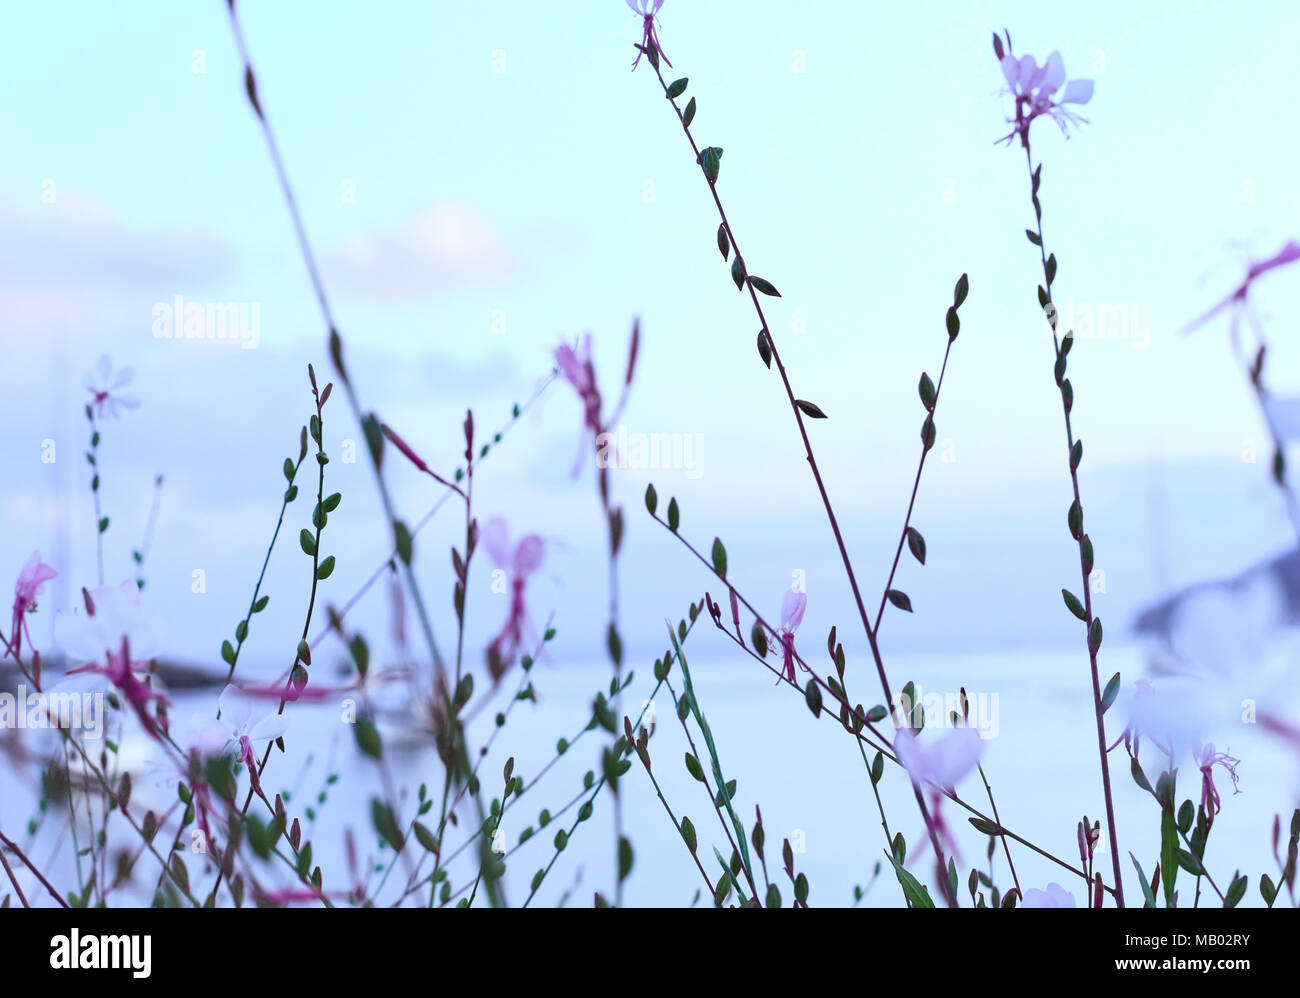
[{"x": 483, "y": 181}]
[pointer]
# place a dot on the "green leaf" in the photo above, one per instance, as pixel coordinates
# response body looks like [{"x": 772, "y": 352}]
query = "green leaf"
[
  {"x": 326, "y": 568},
  {"x": 694, "y": 768},
  {"x": 926, "y": 390},
  {"x": 368, "y": 739},
  {"x": 953, "y": 323},
  {"x": 260, "y": 605},
  {"x": 288, "y": 469},
  {"x": 1169, "y": 854},
  {"x": 809, "y": 410},
  {"x": 1236, "y": 891},
  {"x": 812, "y": 696},
  {"x": 724, "y": 243},
  {"x": 914, "y": 891},
  {"x": 1051, "y": 268},
  {"x": 960, "y": 291},
  {"x": 738, "y": 273},
  {"x": 764, "y": 348},
  {"x": 916, "y": 544},
  {"x": 764, "y": 287},
  {"x": 688, "y": 834},
  {"x": 1073, "y": 605},
  {"x": 1112, "y": 690},
  {"x": 307, "y": 542},
  {"x": 651, "y": 499},
  {"x": 402, "y": 539},
  {"x": 711, "y": 160},
  {"x": 674, "y": 515},
  {"x": 1189, "y": 863},
  {"x": 386, "y": 824},
  {"x": 625, "y": 857},
  {"x": 719, "y": 558},
  {"x": 899, "y": 599},
  {"x": 1033, "y": 237},
  {"x": 103, "y": 525},
  {"x": 689, "y": 116},
  {"x": 228, "y": 652},
  {"x": 1146, "y": 884},
  {"x": 1094, "y": 635},
  {"x": 426, "y": 838},
  {"x": 677, "y": 88}
]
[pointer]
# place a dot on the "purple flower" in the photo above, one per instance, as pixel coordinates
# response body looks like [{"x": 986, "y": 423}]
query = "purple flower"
[
  {"x": 30, "y": 582},
  {"x": 1207, "y": 758},
  {"x": 792, "y": 609},
  {"x": 646, "y": 10},
  {"x": 113, "y": 638},
  {"x": 939, "y": 764},
  {"x": 1035, "y": 90},
  {"x": 518, "y": 561},
  {"x": 576, "y": 368},
  {"x": 1055, "y": 896}
]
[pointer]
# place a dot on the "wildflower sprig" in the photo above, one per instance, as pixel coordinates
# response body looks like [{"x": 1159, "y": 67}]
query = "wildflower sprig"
[{"x": 1082, "y": 609}]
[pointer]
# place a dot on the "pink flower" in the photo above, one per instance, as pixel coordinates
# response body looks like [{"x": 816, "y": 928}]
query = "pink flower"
[
  {"x": 1034, "y": 88},
  {"x": 1289, "y": 253},
  {"x": 939, "y": 764},
  {"x": 30, "y": 582},
  {"x": 104, "y": 397},
  {"x": 1207, "y": 758},
  {"x": 120, "y": 670},
  {"x": 285, "y": 896},
  {"x": 577, "y": 370},
  {"x": 1055, "y": 896},
  {"x": 239, "y": 726},
  {"x": 113, "y": 638},
  {"x": 942, "y": 761},
  {"x": 793, "y": 605},
  {"x": 646, "y": 10},
  {"x": 518, "y": 563}
]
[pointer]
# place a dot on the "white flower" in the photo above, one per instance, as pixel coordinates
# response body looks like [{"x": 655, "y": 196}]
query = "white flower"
[
  {"x": 95, "y": 630},
  {"x": 1055, "y": 896},
  {"x": 239, "y": 722},
  {"x": 1035, "y": 87},
  {"x": 941, "y": 761}
]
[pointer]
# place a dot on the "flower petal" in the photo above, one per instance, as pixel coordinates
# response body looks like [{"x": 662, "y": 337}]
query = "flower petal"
[
  {"x": 271, "y": 726},
  {"x": 1053, "y": 74},
  {"x": 792, "y": 609},
  {"x": 528, "y": 555},
  {"x": 236, "y": 708},
  {"x": 495, "y": 537},
  {"x": 1077, "y": 92}
]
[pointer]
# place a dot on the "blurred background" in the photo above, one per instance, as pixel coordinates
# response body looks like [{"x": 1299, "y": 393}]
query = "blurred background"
[{"x": 484, "y": 181}]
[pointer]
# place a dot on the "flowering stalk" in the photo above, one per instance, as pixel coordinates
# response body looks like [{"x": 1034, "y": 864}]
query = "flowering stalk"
[
  {"x": 369, "y": 425},
  {"x": 1074, "y": 452},
  {"x": 709, "y": 161},
  {"x": 866, "y": 719},
  {"x": 258, "y": 602}
]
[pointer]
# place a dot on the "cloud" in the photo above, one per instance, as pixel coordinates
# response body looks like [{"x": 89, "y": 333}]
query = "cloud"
[
  {"x": 441, "y": 246},
  {"x": 74, "y": 260}
]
